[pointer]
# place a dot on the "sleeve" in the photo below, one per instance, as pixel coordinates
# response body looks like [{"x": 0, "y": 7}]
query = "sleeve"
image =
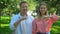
[
  {"x": 13, "y": 20},
  {"x": 33, "y": 27},
  {"x": 54, "y": 18},
  {"x": 32, "y": 18}
]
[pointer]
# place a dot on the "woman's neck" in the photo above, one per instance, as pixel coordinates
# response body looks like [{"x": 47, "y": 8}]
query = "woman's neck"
[{"x": 41, "y": 16}]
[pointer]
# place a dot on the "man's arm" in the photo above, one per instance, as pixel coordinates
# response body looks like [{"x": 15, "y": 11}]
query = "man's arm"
[
  {"x": 17, "y": 22},
  {"x": 14, "y": 22}
]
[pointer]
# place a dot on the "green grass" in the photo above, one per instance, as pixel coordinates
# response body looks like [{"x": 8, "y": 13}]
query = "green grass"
[
  {"x": 55, "y": 28},
  {"x": 5, "y": 20},
  {"x": 2, "y": 25},
  {"x": 6, "y": 30}
]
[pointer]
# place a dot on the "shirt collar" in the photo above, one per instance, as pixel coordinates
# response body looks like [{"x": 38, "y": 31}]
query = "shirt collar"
[{"x": 21, "y": 16}]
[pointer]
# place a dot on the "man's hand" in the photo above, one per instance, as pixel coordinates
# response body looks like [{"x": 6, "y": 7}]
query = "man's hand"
[
  {"x": 23, "y": 18},
  {"x": 17, "y": 22}
]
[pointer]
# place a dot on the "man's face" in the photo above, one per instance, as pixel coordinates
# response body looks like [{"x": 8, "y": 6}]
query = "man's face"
[{"x": 24, "y": 7}]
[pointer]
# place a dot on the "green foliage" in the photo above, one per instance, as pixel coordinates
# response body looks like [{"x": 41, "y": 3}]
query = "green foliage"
[
  {"x": 8, "y": 7},
  {"x": 58, "y": 11},
  {"x": 6, "y": 30},
  {"x": 56, "y": 27},
  {"x": 5, "y": 20}
]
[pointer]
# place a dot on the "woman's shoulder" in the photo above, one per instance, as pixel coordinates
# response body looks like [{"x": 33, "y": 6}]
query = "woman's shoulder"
[{"x": 35, "y": 19}]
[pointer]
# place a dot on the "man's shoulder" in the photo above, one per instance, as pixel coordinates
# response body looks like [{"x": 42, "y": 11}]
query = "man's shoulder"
[
  {"x": 31, "y": 17},
  {"x": 15, "y": 16}
]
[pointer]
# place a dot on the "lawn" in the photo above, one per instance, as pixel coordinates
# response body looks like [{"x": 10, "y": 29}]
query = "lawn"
[{"x": 6, "y": 30}]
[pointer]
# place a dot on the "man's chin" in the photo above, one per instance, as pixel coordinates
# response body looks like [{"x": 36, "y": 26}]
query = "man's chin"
[{"x": 25, "y": 13}]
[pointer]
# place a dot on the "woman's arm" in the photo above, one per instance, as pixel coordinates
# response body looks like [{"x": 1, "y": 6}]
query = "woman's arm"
[
  {"x": 54, "y": 18},
  {"x": 34, "y": 27}
]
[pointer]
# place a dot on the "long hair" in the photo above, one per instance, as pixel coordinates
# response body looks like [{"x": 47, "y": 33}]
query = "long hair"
[{"x": 42, "y": 3}]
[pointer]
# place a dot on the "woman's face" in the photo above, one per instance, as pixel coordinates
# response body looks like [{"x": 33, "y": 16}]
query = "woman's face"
[{"x": 43, "y": 9}]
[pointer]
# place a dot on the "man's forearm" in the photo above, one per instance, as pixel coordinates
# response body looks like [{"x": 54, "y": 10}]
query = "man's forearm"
[{"x": 16, "y": 23}]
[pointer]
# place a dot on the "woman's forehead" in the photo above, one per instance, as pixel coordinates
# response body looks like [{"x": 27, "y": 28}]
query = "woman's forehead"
[{"x": 43, "y": 6}]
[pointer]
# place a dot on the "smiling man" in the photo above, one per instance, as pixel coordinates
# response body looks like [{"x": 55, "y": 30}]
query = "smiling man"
[{"x": 22, "y": 22}]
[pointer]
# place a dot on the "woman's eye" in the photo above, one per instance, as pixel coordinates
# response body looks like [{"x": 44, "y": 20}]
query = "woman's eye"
[
  {"x": 44, "y": 8},
  {"x": 41, "y": 8}
]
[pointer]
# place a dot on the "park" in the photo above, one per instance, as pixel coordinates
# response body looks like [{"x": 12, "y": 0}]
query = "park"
[{"x": 9, "y": 8}]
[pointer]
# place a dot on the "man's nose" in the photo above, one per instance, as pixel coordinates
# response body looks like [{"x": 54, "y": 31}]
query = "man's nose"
[{"x": 42, "y": 9}]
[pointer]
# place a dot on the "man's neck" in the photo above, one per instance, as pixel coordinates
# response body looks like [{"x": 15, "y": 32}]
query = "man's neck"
[{"x": 23, "y": 14}]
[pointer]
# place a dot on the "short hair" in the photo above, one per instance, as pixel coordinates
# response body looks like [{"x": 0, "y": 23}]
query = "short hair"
[{"x": 23, "y": 2}]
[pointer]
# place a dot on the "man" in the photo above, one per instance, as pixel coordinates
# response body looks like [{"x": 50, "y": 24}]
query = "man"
[{"x": 22, "y": 22}]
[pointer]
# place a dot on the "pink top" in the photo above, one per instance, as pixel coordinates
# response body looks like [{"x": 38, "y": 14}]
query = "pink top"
[{"x": 43, "y": 25}]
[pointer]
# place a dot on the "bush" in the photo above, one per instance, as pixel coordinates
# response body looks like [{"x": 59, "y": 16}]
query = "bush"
[
  {"x": 55, "y": 28},
  {"x": 5, "y": 20},
  {"x": 5, "y": 30}
]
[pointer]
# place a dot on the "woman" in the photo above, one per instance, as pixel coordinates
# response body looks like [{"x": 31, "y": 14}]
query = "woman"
[{"x": 43, "y": 22}]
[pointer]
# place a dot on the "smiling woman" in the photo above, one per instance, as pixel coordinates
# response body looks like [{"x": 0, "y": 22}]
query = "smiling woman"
[{"x": 43, "y": 22}]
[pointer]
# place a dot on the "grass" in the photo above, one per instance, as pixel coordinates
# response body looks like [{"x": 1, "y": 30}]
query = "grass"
[
  {"x": 2, "y": 25},
  {"x": 55, "y": 28},
  {"x": 6, "y": 30}
]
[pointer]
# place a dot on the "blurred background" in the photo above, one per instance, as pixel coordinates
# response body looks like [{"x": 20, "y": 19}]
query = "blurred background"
[{"x": 9, "y": 8}]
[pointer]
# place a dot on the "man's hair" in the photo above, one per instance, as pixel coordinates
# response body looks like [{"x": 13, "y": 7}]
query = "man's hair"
[{"x": 23, "y": 2}]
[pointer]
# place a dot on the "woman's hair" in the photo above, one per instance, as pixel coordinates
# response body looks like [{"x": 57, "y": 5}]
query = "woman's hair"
[{"x": 42, "y": 3}]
